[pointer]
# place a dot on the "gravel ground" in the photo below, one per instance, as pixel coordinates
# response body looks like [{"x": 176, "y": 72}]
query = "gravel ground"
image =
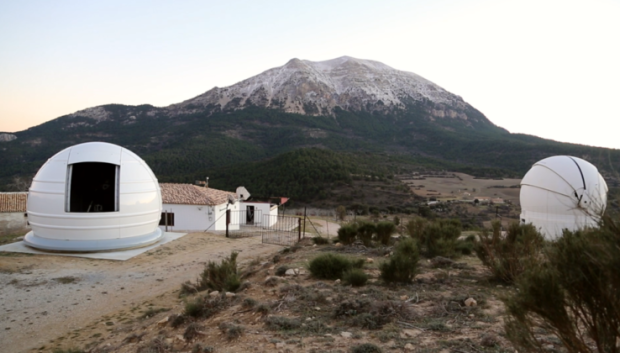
[{"x": 46, "y": 297}]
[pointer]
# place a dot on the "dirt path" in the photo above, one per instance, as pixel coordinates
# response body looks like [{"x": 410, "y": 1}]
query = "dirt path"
[
  {"x": 326, "y": 227},
  {"x": 46, "y": 297}
]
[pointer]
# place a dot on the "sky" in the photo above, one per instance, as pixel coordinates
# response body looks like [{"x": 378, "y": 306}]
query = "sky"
[{"x": 541, "y": 67}]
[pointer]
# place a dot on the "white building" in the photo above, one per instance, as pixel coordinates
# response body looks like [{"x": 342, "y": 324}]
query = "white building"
[
  {"x": 190, "y": 208},
  {"x": 13, "y": 218}
]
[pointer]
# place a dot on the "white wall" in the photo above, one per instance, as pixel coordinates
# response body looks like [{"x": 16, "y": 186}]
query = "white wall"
[
  {"x": 13, "y": 222},
  {"x": 194, "y": 218},
  {"x": 262, "y": 208}
]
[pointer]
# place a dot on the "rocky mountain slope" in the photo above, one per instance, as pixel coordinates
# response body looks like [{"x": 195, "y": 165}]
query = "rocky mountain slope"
[{"x": 318, "y": 88}]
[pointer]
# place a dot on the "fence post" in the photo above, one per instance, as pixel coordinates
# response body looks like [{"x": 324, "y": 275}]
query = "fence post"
[
  {"x": 305, "y": 218},
  {"x": 227, "y": 221},
  {"x": 299, "y": 229}
]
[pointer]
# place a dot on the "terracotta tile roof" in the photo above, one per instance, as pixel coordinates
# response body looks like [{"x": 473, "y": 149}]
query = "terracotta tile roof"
[
  {"x": 187, "y": 194},
  {"x": 13, "y": 201}
]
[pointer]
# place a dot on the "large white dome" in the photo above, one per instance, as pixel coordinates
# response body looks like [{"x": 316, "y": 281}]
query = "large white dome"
[
  {"x": 94, "y": 196},
  {"x": 562, "y": 192}
]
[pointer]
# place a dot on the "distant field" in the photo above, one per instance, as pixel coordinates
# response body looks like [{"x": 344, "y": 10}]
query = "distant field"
[{"x": 464, "y": 187}]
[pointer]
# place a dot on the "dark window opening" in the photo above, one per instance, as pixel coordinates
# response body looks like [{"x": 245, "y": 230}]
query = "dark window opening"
[
  {"x": 93, "y": 187},
  {"x": 162, "y": 220}
]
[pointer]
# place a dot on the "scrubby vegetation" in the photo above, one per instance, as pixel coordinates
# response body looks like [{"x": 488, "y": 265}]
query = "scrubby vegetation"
[
  {"x": 332, "y": 266},
  {"x": 509, "y": 256},
  {"x": 574, "y": 295},
  {"x": 222, "y": 276},
  {"x": 402, "y": 265}
]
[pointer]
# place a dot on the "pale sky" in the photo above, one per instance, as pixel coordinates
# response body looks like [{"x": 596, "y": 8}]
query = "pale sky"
[{"x": 542, "y": 67}]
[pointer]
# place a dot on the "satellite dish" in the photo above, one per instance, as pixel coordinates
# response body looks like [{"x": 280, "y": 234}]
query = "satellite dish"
[
  {"x": 562, "y": 192},
  {"x": 231, "y": 199}
]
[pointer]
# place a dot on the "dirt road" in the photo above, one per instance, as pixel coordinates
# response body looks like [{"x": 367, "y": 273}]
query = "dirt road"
[{"x": 43, "y": 298}]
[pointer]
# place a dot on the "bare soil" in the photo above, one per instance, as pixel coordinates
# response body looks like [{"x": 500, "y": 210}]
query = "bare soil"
[
  {"x": 103, "y": 306},
  {"x": 52, "y": 301}
]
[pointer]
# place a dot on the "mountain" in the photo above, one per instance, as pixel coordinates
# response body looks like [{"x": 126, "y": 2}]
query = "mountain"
[
  {"x": 361, "y": 110},
  {"x": 319, "y": 88}
]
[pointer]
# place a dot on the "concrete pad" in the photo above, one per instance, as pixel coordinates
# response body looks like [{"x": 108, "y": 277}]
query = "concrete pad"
[{"x": 121, "y": 255}]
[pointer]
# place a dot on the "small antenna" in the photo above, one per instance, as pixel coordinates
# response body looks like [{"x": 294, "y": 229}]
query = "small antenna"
[{"x": 207, "y": 183}]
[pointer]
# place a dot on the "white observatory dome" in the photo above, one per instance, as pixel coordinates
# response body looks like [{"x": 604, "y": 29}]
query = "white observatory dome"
[
  {"x": 94, "y": 196},
  {"x": 562, "y": 192}
]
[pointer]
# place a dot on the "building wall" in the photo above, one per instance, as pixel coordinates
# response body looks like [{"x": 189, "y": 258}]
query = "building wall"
[
  {"x": 262, "y": 208},
  {"x": 198, "y": 218},
  {"x": 13, "y": 222}
]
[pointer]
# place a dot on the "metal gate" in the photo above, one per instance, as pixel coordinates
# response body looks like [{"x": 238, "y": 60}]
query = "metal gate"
[
  {"x": 241, "y": 224},
  {"x": 281, "y": 230}
]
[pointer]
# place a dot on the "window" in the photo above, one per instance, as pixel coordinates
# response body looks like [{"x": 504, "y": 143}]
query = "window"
[
  {"x": 162, "y": 220},
  {"x": 92, "y": 187}
]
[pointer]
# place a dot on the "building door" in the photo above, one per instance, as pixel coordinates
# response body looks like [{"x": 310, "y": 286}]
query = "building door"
[{"x": 249, "y": 215}]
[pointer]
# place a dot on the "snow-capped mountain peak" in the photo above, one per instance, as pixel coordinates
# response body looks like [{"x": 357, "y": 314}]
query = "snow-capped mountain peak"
[{"x": 318, "y": 87}]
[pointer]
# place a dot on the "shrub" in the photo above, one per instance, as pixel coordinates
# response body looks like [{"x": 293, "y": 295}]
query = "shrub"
[
  {"x": 282, "y": 323},
  {"x": 507, "y": 257},
  {"x": 231, "y": 331},
  {"x": 320, "y": 240},
  {"x": 366, "y": 348},
  {"x": 403, "y": 264},
  {"x": 355, "y": 277},
  {"x": 384, "y": 231},
  {"x": 331, "y": 266},
  {"x": 263, "y": 309},
  {"x": 365, "y": 232},
  {"x": 574, "y": 294},
  {"x": 193, "y": 331},
  {"x": 347, "y": 234},
  {"x": 438, "y": 238},
  {"x": 221, "y": 277},
  {"x": 415, "y": 227},
  {"x": 249, "y": 303},
  {"x": 205, "y": 307}
]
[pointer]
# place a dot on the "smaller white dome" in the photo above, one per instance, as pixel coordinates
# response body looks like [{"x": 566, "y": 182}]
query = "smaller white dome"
[
  {"x": 94, "y": 196},
  {"x": 562, "y": 192}
]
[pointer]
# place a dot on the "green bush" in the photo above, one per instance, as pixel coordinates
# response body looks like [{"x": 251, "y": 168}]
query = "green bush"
[
  {"x": 573, "y": 295},
  {"x": 508, "y": 257},
  {"x": 437, "y": 238},
  {"x": 415, "y": 227},
  {"x": 384, "y": 231},
  {"x": 332, "y": 266},
  {"x": 320, "y": 240},
  {"x": 231, "y": 331},
  {"x": 347, "y": 234},
  {"x": 402, "y": 265},
  {"x": 221, "y": 277},
  {"x": 355, "y": 277},
  {"x": 365, "y": 231}
]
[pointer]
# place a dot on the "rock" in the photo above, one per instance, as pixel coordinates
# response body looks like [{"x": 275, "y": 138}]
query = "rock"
[
  {"x": 489, "y": 340},
  {"x": 280, "y": 345},
  {"x": 230, "y": 295},
  {"x": 337, "y": 281},
  {"x": 411, "y": 332},
  {"x": 317, "y": 308},
  {"x": 214, "y": 294},
  {"x": 370, "y": 260},
  {"x": 302, "y": 272},
  {"x": 179, "y": 338},
  {"x": 346, "y": 334},
  {"x": 329, "y": 299},
  {"x": 308, "y": 319},
  {"x": 338, "y": 244},
  {"x": 440, "y": 261},
  {"x": 404, "y": 297},
  {"x": 314, "y": 245},
  {"x": 290, "y": 272},
  {"x": 163, "y": 321},
  {"x": 549, "y": 347},
  {"x": 409, "y": 347},
  {"x": 470, "y": 302}
]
